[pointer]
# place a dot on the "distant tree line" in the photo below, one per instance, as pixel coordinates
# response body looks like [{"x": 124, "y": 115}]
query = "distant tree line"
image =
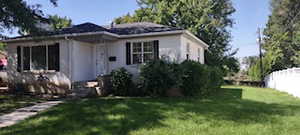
[{"x": 281, "y": 39}]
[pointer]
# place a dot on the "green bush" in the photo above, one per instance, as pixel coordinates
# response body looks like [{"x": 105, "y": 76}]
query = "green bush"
[
  {"x": 157, "y": 77},
  {"x": 214, "y": 82},
  {"x": 194, "y": 78},
  {"x": 122, "y": 84},
  {"x": 199, "y": 79}
]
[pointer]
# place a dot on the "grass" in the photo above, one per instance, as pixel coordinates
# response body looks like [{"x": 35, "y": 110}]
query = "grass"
[
  {"x": 235, "y": 110},
  {"x": 9, "y": 103}
]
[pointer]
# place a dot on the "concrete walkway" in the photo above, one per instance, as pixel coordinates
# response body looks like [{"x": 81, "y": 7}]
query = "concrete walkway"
[{"x": 23, "y": 113}]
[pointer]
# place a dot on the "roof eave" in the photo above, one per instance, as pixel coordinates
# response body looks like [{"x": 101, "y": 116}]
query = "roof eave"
[
  {"x": 110, "y": 34},
  {"x": 196, "y": 38},
  {"x": 152, "y": 34},
  {"x": 60, "y": 36}
]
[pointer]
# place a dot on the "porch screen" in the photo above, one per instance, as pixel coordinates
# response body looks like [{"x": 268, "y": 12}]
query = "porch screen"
[{"x": 44, "y": 57}]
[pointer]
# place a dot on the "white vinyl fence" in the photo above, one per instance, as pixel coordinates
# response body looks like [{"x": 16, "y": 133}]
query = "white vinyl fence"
[{"x": 285, "y": 81}]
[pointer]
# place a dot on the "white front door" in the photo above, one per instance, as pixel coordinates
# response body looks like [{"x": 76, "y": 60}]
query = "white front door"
[{"x": 101, "y": 66}]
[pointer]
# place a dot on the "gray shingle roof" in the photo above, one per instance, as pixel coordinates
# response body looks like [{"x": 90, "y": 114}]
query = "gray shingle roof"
[
  {"x": 120, "y": 29},
  {"x": 81, "y": 28},
  {"x": 140, "y": 28}
]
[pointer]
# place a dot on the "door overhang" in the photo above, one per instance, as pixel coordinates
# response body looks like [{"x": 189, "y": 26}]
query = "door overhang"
[{"x": 95, "y": 38}]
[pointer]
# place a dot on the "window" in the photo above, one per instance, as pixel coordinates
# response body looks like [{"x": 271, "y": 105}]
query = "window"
[
  {"x": 44, "y": 57},
  {"x": 137, "y": 53},
  {"x": 38, "y": 58},
  {"x": 148, "y": 50},
  {"x": 142, "y": 52},
  {"x": 26, "y": 58},
  {"x": 53, "y": 58},
  {"x": 188, "y": 51}
]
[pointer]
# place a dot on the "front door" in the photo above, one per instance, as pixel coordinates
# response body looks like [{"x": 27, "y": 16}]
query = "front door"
[{"x": 100, "y": 60}]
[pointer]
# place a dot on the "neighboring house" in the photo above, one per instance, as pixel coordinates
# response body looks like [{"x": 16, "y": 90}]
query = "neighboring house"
[{"x": 83, "y": 52}]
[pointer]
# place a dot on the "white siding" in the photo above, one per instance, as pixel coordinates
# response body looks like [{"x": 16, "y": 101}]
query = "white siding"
[
  {"x": 61, "y": 78},
  {"x": 83, "y": 62},
  {"x": 78, "y": 59},
  {"x": 194, "y": 46},
  {"x": 169, "y": 48}
]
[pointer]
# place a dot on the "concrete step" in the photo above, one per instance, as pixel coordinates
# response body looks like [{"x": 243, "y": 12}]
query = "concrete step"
[{"x": 83, "y": 89}]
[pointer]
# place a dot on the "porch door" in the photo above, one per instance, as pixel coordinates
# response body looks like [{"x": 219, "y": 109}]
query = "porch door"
[{"x": 101, "y": 66}]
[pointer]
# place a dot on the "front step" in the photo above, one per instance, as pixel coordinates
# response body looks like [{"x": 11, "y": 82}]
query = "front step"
[{"x": 83, "y": 89}]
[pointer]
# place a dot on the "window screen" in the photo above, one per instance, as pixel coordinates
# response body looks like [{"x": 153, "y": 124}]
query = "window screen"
[
  {"x": 38, "y": 58},
  {"x": 53, "y": 57}
]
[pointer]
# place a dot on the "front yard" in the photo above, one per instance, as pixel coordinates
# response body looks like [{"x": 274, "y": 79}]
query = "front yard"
[
  {"x": 9, "y": 103},
  {"x": 234, "y": 111}
]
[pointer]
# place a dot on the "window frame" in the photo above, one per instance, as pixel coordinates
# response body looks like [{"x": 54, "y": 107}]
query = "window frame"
[
  {"x": 30, "y": 58},
  {"x": 142, "y": 51}
]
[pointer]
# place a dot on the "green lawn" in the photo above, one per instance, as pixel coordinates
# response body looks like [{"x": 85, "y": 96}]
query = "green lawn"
[
  {"x": 234, "y": 111},
  {"x": 9, "y": 103}
]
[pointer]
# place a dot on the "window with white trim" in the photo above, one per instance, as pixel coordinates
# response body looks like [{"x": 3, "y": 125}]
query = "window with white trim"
[
  {"x": 42, "y": 57},
  {"x": 142, "y": 52}
]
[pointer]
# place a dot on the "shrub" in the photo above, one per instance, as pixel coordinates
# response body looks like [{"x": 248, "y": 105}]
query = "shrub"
[
  {"x": 157, "y": 77},
  {"x": 214, "y": 82},
  {"x": 122, "y": 84},
  {"x": 193, "y": 78},
  {"x": 198, "y": 79}
]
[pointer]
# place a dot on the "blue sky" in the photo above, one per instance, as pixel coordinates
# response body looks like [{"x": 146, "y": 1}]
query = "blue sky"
[{"x": 250, "y": 15}]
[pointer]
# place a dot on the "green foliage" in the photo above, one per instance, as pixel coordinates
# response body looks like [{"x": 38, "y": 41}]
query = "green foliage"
[
  {"x": 19, "y": 14},
  {"x": 249, "y": 61},
  {"x": 59, "y": 22},
  {"x": 255, "y": 72},
  {"x": 231, "y": 65},
  {"x": 121, "y": 82},
  {"x": 207, "y": 19},
  {"x": 199, "y": 80},
  {"x": 282, "y": 34},
  {"x": 2, "y": 46},
  {"x": 157, "y": 77},
  {"x": 193, "y": 78}
]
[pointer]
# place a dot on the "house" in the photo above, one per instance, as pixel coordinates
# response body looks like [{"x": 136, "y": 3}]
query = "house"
[{"x": 83, "y": 52}]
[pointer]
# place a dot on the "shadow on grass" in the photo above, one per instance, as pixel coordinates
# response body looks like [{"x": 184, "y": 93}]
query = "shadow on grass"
[
  {"x": 9, "y": 102},
  {"x": 121, "y": 116}
]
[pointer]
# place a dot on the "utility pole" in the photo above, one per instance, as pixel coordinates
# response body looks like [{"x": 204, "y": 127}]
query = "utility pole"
[{"x": 260, "y": 54}]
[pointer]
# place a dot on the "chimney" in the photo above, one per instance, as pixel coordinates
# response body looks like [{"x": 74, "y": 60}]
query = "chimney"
[{"x": 112, "y": 24}]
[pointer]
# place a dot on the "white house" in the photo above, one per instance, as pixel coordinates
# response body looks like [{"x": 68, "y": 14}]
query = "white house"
[{"x": 83, "y": 52}]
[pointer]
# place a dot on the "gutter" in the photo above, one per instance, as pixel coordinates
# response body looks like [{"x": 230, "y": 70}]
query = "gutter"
[
  {"x": 61, "y": 36},
  {"x": 188, "y": 33}
]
